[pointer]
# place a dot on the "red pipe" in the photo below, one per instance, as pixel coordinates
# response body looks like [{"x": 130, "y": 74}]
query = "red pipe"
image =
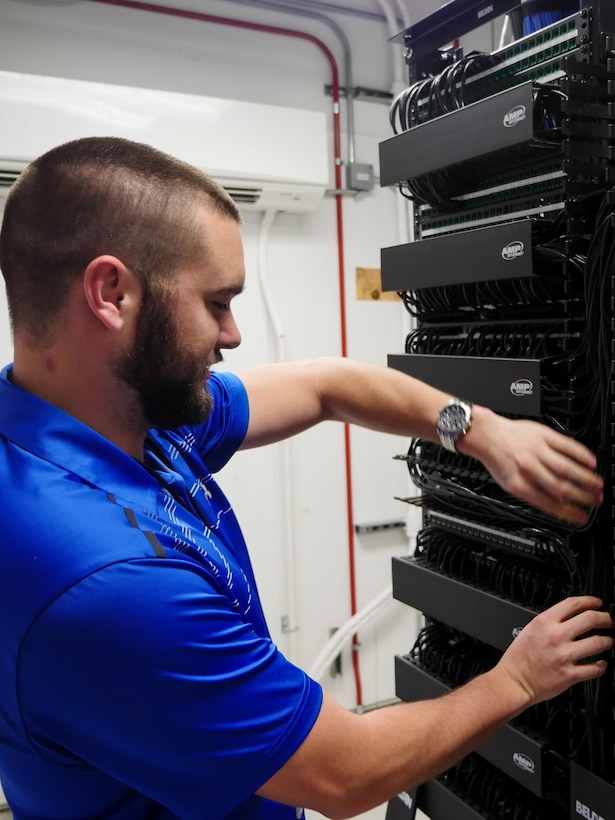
[{"x": 229, "y": 21}]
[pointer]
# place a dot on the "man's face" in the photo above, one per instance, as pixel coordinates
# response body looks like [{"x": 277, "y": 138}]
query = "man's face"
[{"x": 180, "y": 333}]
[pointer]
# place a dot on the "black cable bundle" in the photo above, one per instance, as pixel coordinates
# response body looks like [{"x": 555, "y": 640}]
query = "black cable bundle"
[
  {"x": 544, "y": 546},
  {"x": 600, "y": 269},
  {"x": 509, "y": 576},
  {"x": 548, "y": 112},
  {"x": 548, "y": 296},
  {"x": 497, "y": 796},
  {"x": 555, "y": 341},
  {"x": 450, "y": 655},
  {"x": 555, "y": 290},
  {"x": 460, "y": 482},
  {"x": 596, "y": 753},
  {"x": 424, "y": 101},
  {"x": 434, "y": 96}
]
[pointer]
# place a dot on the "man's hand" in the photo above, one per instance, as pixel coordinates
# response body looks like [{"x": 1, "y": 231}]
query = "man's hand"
[
  {"x": 553, "y": 472},
  {"x": 545, "y": 658}
]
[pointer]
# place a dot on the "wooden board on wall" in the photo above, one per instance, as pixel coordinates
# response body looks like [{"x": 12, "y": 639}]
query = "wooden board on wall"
[{"x": 369, "y": 287}]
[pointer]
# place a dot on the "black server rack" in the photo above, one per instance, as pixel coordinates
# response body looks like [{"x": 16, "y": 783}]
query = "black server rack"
[{"x": 509, "y": 159}]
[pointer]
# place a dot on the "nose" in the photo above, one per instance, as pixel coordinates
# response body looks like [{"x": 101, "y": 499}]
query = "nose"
[{"x": 229, "y": 336}]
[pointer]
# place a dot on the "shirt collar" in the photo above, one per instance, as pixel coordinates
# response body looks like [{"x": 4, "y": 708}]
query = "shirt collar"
[{"x": 59, "y": 438}]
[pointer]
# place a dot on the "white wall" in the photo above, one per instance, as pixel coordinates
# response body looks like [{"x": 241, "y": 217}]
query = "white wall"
[{"x": 92, "y": 41}]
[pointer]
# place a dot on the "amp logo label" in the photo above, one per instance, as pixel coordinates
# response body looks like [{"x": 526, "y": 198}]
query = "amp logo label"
[
  {"x": 512, "y": 251},
  {"x": 514, "y": 116},
  {"x": 525, "y": 763},
  {"x": 522, "y": 387},
  {"x": 586, "y": 812}
]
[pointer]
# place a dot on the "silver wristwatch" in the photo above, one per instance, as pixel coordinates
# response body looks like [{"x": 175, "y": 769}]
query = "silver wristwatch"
[{"x": 454, "y": 420}]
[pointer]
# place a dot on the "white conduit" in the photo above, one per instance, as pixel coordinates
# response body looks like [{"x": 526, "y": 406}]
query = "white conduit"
[
  {"x": 404, "y": 13},
  {"x": 272, "y": 310},
  {"x": 504, "y": 32},
  {"x": 399, "y": 81},
  {"x": 345, "y": 633},
  {"x": 284, "y": 447}
]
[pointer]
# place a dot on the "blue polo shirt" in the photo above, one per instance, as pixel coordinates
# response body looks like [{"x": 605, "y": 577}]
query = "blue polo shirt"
[{"x": 137, "y": 675}]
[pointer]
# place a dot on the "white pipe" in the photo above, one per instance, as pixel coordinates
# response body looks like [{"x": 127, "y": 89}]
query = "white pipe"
[
  {"x": 404, "y": 13},
  {"x": 405, "y": 229},
  {"x": 272, "y": 310},
  {"x": 284, "y": 447},
  {"x": 504, "y": 32},
  {"x": 333, "y": 647},
  {"x": 398, "y": 75}
]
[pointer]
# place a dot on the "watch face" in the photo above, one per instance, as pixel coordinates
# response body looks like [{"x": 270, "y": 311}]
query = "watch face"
[{"x": 453, "y": 419}]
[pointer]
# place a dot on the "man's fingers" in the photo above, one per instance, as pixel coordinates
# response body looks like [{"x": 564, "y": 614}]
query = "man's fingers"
[
  {"x": 567, "y": 479},
  {"x": 572, "y": 449},
  {"x": 567, "y": 608},
  {"x": 560, "y": 508},
  {"x": 587, "y": 671},
  {"x": 559, "y": 488},
  {"x": 590, "y": 646},
  {"x": 575, "y": 616},
  {"x": 581, "y": 620}
]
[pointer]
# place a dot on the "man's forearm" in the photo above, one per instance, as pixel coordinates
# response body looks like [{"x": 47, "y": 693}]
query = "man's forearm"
[
  {"x": 435, "y": 734},
  {"x": 381, "y": 753},
  {"x": 288, "y": 398}
]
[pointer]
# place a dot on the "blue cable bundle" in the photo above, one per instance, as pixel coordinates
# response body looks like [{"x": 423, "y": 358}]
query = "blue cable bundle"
[{"x": 537, "y": 13}]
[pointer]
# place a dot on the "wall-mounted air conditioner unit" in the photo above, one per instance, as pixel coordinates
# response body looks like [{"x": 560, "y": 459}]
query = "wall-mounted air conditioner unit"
[{"x": 266, "y": 156}]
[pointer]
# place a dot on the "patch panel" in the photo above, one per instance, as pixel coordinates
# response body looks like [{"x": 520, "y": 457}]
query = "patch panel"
[
  {"x": 545, "y": 196},
  {"x": 537, "y": 58},
  {"x": 547, "y": 207},
  {"x": 542, "y": 546}
]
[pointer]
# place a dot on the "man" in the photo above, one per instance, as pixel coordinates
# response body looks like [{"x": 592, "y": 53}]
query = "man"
[{"x": 137, "y": 678}]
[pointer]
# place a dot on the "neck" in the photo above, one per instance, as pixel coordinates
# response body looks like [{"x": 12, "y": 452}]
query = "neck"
[{"x": 92, "y": 395}]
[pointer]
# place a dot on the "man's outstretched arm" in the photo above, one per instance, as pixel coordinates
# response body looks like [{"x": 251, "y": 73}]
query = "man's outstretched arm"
[
  {"x": 350, "y": 763},
  {"x": 530, "y": 460}
]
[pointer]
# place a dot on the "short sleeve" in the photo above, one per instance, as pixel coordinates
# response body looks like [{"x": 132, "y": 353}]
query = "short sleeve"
[
  {"x": 151, "y": 677},
  {"x": 220, "y": 436}
]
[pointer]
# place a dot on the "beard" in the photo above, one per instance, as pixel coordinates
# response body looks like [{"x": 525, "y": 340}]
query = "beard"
[{"x": 170, "y": 384}]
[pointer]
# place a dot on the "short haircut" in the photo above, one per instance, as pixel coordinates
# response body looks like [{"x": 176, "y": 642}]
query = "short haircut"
[{"x": 94, "y": 196}]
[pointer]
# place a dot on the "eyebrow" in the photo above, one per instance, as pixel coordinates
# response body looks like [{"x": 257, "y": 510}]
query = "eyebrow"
[{"x": 230, "y": 290}]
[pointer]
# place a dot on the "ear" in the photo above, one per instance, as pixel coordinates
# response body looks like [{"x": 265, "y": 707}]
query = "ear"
[{"x": 111, "y": 289}]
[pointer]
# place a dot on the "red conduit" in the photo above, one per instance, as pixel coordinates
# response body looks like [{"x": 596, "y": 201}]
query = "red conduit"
[{"x": 229, "y": 21}]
